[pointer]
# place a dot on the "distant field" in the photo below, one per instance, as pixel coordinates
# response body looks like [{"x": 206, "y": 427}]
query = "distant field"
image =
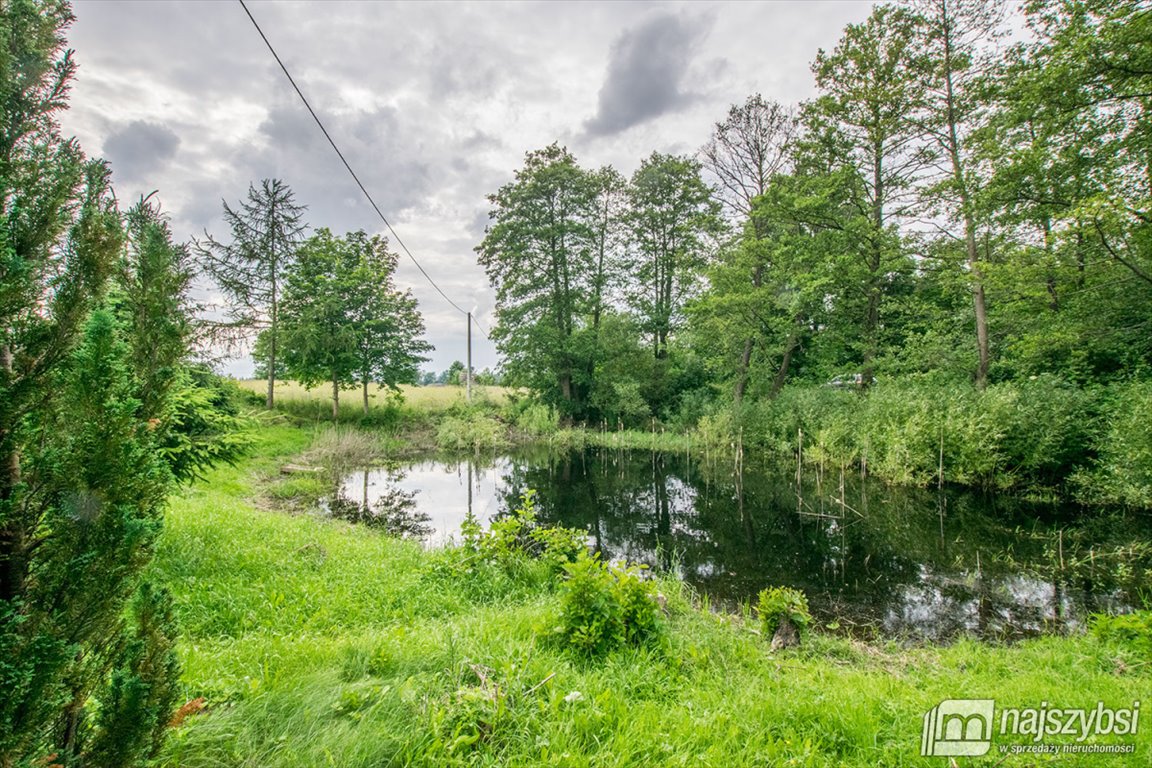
[{"x": 430, "y": 398}]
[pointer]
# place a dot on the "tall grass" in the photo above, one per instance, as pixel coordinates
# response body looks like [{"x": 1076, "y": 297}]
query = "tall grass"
[{"x": 1029, "y": 435}]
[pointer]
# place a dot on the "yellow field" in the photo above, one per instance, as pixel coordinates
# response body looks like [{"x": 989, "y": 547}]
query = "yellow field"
[{"x": 424, "y": 398}]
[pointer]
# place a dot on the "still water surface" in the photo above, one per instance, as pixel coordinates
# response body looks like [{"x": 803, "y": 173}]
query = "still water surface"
[{"x": 873, "y": 559}]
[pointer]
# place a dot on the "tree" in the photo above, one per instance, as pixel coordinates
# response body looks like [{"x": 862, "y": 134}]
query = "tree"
[
  {"x": 746, "y": 151},
  {"x": 344, "y": 322},
  {"x": 862, "y": 131},
  {"x": 266, "y": 230},
  {"x": 93, "y": 333},
  {"x": 1068, "y": 138},
  {"x": 389, "y": 328},
  {"x": 454, "y": 374},
  {"x": 538, "y": 254},
  {"x": 951, "y": 35},
  {"x": 671, "y": 217}
]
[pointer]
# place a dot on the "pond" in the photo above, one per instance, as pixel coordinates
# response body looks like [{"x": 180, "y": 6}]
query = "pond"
[{"x": 874, "y": 560}]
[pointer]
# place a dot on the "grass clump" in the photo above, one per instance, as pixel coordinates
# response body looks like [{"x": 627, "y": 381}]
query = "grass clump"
[{"x": 341, "y": 449}]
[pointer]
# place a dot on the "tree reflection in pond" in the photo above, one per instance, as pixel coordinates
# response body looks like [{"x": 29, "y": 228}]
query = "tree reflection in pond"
[
  {"x": 391, "y": 508},
  {"x": 896, "y": 562}
]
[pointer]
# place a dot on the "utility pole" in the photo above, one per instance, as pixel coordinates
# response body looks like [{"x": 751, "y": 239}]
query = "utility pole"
[{"x": 468, "y": 369}]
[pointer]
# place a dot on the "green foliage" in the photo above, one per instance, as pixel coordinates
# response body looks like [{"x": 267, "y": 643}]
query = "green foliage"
[
  {"x": 672, "y": 213},
  {"x": 1027, "y": 435},
  {"x": 142, "y": 690},
  {"x": 344, "y": 321},
  {"x": 1131, "y": 630},
  {"x": 470, "y": 430},
  {"x": 535, "y": 419},
  {"x": 202, "y": 423},
  {"x": 604, "y": 607},
  {"x": 1122, "y": 473},
  {"x": 777, "y": 604},
  {"x": 519, "y": 534}
]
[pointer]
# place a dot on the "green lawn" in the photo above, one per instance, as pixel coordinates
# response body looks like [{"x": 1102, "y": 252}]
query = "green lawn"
[{"x": 316, "y": 643}]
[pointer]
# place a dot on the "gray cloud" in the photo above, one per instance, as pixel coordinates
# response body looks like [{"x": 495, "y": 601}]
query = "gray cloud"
[
  {"x": 140, "y": 148},
  {"x": 646, "y": 70},
  {"x": 434, "y": 104}
]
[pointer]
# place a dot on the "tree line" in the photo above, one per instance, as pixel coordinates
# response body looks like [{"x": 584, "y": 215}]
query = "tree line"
[
  {"x": 949, "y": 207},
  {"x": 324, "y": 308}
]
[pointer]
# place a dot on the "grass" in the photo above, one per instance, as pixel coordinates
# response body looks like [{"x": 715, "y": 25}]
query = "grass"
[
  {"x": 318, "y": 643},
  {"x": 438, "y": 398}
]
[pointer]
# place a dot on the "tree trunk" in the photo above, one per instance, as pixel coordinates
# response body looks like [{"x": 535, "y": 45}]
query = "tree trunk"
[
  {"x": 979, "y": 304},
  {"x": 785, "y": 363},
  {"x": 566, "y": 386},
  {"x": 271, "y": 399},
  {"x": 69, "y": 746},
  {"x": 12, "y": 540},
  {"x": 978, "y": 299},
  {"x": 750, "y": 342},
  {"x": 365, "y": 396},
  {"x": 742, "y": 372},
  {"x": 335, "y": 398}
]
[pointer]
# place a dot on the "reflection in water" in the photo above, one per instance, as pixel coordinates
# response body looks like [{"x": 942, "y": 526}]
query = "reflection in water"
[
  {"x": 389, "y": 508},
  {"x": 891, "y": 561}
]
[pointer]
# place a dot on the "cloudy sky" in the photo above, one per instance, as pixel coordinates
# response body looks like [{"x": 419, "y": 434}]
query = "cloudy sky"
[{"x": 434, "y": 104}]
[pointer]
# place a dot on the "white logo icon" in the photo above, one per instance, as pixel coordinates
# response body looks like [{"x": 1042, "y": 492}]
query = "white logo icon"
[{"x": 958, "y": 727}]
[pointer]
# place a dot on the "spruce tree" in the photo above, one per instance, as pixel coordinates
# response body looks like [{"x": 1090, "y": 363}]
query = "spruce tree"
[{"x": 266, "y": 231}]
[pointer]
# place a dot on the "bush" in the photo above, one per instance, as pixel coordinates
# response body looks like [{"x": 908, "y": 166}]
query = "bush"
[
  {"x": 535, "y": 419},
  {"x": 1026, "y": 434},
  {"x": 470, "y": 431},
  {"x": 520, "y": 534},
  {"x": 1133, "y": 630},
  {"x": 603, "y": 608},
  {"x": 778, "y": 604},
  {"x": 1122, "y": 473}
]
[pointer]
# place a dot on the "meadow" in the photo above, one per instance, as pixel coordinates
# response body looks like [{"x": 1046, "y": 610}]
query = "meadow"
[
  {"x": 313, "y": 642},
  {"x": 291, "y": 394}
]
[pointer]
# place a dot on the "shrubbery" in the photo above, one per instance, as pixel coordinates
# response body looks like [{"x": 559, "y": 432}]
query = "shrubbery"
[
  {"x": 1132, "y": 630},
  {"x": 519, "y": 534},
  {"x": 780, "y": 604},
  {"x": 603, "y": 607},
  {"x": 470, "y": 430},
  {"x": 1032, "y": 434},
  {"x": 1122, "y": 472}
]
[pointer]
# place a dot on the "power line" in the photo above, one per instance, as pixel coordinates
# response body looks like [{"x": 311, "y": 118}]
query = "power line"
[{"x": 344, "y": 160}]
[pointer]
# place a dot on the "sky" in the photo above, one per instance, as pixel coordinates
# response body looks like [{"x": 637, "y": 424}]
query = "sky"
[{"x": 433, "y": 104}]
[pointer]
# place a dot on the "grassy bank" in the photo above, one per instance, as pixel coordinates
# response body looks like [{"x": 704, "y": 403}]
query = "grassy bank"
[
  {"x": 317, "y": 643},
  {"x": 1043, "y": 437}
]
